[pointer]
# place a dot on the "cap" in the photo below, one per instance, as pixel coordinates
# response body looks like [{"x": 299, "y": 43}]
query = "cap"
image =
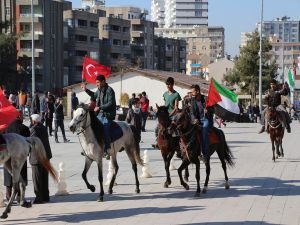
[{"x": 36, "y": 117}]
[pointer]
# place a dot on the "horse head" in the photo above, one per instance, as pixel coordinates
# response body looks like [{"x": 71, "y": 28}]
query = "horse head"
[
  {"x": 79, "y": 117},
  {"x": 183, "y": 119},
  {"x": 162, "y": 115}
]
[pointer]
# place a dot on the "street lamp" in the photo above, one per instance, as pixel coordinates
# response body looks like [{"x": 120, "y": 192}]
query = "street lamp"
[
  {"x": 32, "y": 50},
  {"x": 260, "y": 56}
]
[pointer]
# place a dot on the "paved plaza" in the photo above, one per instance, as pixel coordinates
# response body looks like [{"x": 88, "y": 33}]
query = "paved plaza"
[{"x": 261, "y": 192}]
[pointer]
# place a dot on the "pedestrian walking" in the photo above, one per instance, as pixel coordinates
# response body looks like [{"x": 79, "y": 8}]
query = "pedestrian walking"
[
  {"x": 35, "y": 106},
  {"x": 59, "y": 119},
  {"x": 74, "y": 103},
  {"x": 135, "y": 117},
  {"x": 43, "y": 107},
  {"x": 144, "y": 101},
  {"x": 49, "y": 113}
]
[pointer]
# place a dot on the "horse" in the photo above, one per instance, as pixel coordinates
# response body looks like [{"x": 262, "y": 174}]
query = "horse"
[
  {"x": 13, "y": 158},
  {"x": 216, "y": 140},
  {"x": 276, "y": 131},
  {"x": 167, "y": 141},
  {"x": 92, "y": 141}
]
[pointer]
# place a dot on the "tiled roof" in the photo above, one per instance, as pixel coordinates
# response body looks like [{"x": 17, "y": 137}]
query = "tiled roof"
[{"x": 181, "y": 80}]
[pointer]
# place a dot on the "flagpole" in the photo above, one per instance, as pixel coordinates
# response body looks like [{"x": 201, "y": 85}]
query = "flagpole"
[
  {"x": 260, "y": 56},
  {"x": 32, "y": 50}
]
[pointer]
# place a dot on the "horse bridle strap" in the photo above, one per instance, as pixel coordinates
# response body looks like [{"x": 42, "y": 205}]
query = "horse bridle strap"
[
  {"x": 274, "y": 127},
  {"x": 185, "y": 148}
]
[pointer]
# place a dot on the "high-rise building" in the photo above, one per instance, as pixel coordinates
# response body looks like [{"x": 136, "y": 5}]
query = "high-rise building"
[
  {"x": 48, "y": 38},
  {"x": 217, "y": 43},
  {"x": 186, "y": 13},
  {"x": 8, "y": 16}
]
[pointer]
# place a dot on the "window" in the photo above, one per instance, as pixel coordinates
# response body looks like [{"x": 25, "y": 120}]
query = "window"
[
  {"x": 78, "y": 68},
  {"x": 82, "y": 23},
  {"x": 80, "y": 38},
  {"x": 106, "y": 27},
  {"x": 93, "y": 24},
  {"x": 80, "y": 53},
  {"x": 120, "y": 16},
  {"x": 7, "y": 11}
]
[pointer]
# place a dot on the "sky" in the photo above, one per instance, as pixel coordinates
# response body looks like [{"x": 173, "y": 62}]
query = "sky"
[{"x": 235, "y": 16}]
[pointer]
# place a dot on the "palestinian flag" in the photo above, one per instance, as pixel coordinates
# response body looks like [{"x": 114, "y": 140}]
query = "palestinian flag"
[
  {"x": 291, "y": 79},
  {"x": 224, "y": 101}
]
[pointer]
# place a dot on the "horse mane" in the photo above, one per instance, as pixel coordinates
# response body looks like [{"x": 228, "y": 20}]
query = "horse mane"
[{"x": 97, "y": 128}]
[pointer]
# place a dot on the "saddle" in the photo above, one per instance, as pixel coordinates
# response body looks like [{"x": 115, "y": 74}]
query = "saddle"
[{"x": 115, "y": 131}]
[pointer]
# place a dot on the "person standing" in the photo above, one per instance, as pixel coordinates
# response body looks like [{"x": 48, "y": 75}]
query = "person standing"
[
  {"x": 144, "y": 107},
  {"x": 59, "y": 119},
  {"x": 17, "y": 127},
  {"x": 105, "y": 107},
  {"x": 22, "y": 101},
  {"x": 49, "y": 113},
  {"x": 35, "y": 106},
  {"x": 134, "y": 117},
  {"x": 40, "y": 176},
  {"x": 43, "y": 107},
  {"x": 74, "y": 103},
  {"x": 130, "y": 101}
]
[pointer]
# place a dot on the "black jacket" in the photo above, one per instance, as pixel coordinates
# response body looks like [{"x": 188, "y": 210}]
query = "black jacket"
[
  {"x": 105, "y": 99},
  {"x": 59, "y": 111},
  {"x": 19, "y": 128},
  {"x": 35, "y": 105},
  {"x": 40, "y": 131}
]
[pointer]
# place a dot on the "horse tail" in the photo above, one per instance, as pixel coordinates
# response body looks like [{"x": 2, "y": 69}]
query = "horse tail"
[
  {"x": 38, "y": 149},
  {"x": 137, "y": 152},
  {"x": 228, "y": 156}
]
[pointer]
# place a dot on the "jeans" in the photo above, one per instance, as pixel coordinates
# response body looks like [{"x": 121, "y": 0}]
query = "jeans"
[
  {"x": 205, "y": 126},
  {"x": 144, "y": 119},
  {"x": 106, "y": 125}
]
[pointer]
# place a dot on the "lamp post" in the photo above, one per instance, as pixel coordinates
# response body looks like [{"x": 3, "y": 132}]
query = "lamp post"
[
  {"x": 260, "y": 56},
  {"x": 32, "y": 49}
]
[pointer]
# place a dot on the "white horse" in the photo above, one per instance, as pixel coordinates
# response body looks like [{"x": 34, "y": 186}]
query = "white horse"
[
  {"x": 14, "y": 156},
  {"x": 92, "y": 141}
]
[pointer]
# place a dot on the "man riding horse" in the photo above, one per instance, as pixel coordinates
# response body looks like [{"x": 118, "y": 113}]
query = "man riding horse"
[
  {"x": 199, "y": 115},
  {"x": 273, "y": 99},
  {"x": 105, "y": 107}
]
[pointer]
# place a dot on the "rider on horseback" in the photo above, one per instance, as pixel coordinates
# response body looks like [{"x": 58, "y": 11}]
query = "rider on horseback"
[
  {"x": 198, "y": 115},
  {"x": 105, "y": 107},
  {"x": 273, "y": 98}
]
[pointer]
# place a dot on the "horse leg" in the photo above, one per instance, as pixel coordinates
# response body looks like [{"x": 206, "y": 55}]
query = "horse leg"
[
  {"x": 116, "y": 168},
  {"x": 23, "y": 202},
  {"x": 87, "y": 165},
  {"x": 100, "y": 178},
  {"x": 207, "y": 170},
  {"x": 133, "y": 161},
  {"x": 282, "y": 154},
  {"x": 197, "y": 194},
  {"x": 137, "y": 183},
  {"x": 186, "y": 174},
  {"x": 183, "y": 165},
  {"x": 273, "y": 150},
  {"x": 277, "y": 149},
  {"x": 167, "y": 161}
]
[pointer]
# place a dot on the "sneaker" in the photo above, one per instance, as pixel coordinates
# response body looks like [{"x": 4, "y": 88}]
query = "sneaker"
[
  {"x": 56, "y": 141},
  {"x": 262, "y": 130}
]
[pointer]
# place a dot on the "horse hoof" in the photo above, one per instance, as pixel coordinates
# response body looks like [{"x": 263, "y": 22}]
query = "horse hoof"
[
  {"x": 110, "y": 192},
  {"x": 197, "y": 194},
  {"x": 92, "y": 188},
  {"x": 277, "y": 157},
  {"x": 137, "y": 191},
  {"x": 227, "y": 186},
  {"x": 4, "y": 216},
  {"x": 186, "y": 186},
  {"x": 169, "y": 182},
  {"x": 100, "y": 199},
  {"x": 166, "y": 185},
  {"x": 26, "y": 204},
  {"x": 204, "y": 190}
]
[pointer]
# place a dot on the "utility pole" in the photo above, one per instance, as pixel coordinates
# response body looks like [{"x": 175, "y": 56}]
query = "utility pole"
[
  {"x": 260, "y": 56},
  {"x": 32, "y": 49}
]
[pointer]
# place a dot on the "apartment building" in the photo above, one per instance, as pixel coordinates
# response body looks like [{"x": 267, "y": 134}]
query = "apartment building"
[
  {"x": 81, "y": 37},
  {"x": 48, "y": 39},
  {"x": 217, "y": 43},
  {"x": 8, "y": 16},
  {"x": 115, "y": 42},
  {"x": 170, "y": 54},
  {"x": 141, "y": 31}
]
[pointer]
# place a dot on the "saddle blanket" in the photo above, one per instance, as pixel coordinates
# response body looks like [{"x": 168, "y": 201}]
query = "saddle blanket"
[{"x": 115, "y": 131}]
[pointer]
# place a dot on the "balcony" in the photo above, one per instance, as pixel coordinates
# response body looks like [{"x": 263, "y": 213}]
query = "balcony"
[
  {"x": 26, "y": 18},
  {"x": 197, "y": 65},
  {"x": 28, "y": 53},
  {"x": 137, "y": 34},
  {"x": 26, "y": 36},
  {"x": 195, "y": 73}
]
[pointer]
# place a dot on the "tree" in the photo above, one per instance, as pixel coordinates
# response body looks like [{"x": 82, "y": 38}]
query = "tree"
[
  {"x": 8, "y": 61},
  {"x": 124, "y": 99},
  {"x": 245, "y": 73}
]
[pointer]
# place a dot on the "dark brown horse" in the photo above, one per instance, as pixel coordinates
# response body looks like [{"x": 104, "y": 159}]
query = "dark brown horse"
[
  {"x": 276, "y": 131},
  {"x": 167, "y": 140},
  {"x": 216, "y": 140}
]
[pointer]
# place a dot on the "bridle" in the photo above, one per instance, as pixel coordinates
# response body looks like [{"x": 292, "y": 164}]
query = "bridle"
[
  {"x": 274, "y": 123},
  {"x": 82, "y": 128}
]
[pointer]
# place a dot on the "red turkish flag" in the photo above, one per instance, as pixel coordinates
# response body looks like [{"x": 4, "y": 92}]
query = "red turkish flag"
[
  {"x": 8, "y": 112},
  {"x": 91, "y": 69}
]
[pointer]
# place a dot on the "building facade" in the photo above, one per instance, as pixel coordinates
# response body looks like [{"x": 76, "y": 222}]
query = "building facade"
[
  {"x": 8, "y": 16},
  {"x": 217, "y": 43},
  {"x": 170, "y": 54},
  {"x": 81, "y": 38},
  {"x": 48, "y": 38}
]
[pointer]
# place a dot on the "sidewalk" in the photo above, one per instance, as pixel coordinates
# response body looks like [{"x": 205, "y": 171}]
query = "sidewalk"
[{"x": 261, "y": 192}]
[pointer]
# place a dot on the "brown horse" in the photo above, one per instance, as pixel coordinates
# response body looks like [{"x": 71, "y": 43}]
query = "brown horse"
[
  {"x": 216, "y": 140},
  {"x": 167, "y": 141},
  {"x": 276, "y": 130}
]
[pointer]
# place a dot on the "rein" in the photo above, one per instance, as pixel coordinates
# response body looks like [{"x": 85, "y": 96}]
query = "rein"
[
  {"x": 274, "y": 127},
  {"x": 82, "y": 129}
]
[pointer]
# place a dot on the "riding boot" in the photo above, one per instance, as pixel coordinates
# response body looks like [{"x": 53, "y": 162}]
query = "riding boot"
[{"x": 262, "y": 129}]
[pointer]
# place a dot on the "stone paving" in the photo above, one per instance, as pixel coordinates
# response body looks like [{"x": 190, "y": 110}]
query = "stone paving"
[{"x": 261, "y": 192}]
